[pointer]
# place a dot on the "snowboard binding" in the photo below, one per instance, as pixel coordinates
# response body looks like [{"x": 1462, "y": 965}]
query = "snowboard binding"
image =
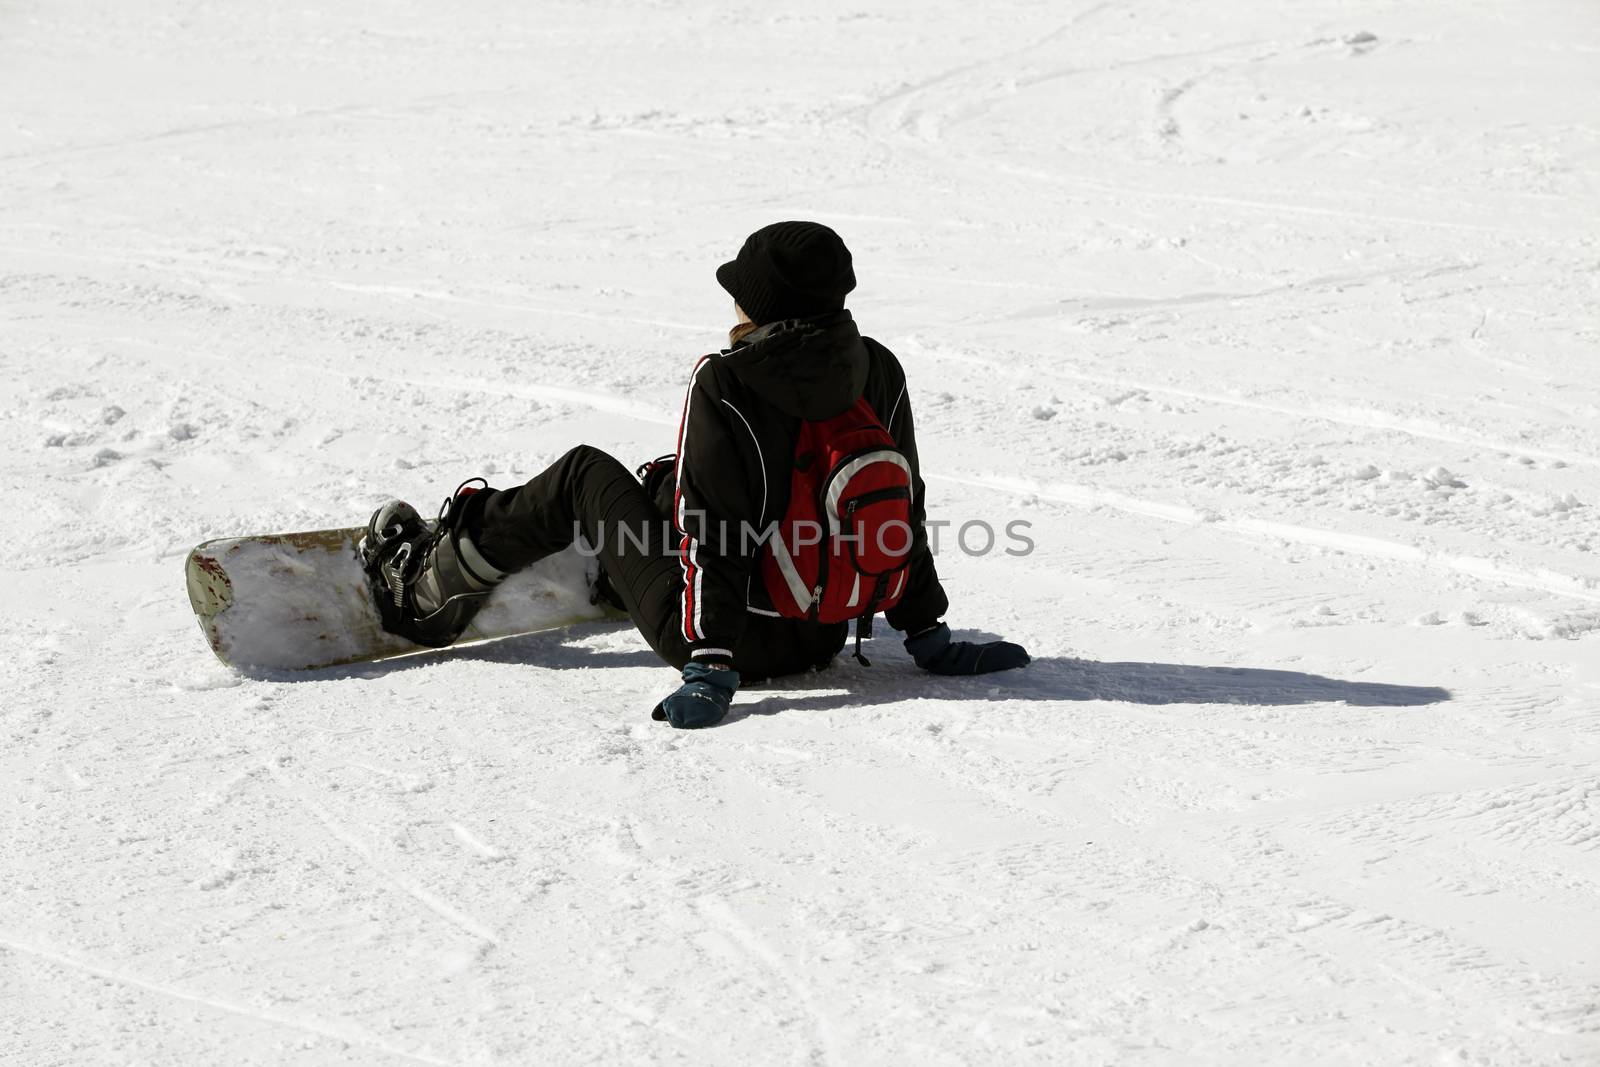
[{"x": 427, "y": 579}]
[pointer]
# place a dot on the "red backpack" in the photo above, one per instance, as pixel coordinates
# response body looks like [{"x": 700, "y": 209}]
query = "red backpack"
[{"x": 843, "y": 547}]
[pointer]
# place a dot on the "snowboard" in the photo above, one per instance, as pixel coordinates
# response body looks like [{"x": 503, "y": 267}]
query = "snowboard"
[{"x": 300, "y": 601}]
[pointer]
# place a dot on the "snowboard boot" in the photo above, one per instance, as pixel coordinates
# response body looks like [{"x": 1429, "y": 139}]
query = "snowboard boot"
[{"x": 427, "y": 578}]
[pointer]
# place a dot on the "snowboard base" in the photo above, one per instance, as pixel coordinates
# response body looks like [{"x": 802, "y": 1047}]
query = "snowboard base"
[{"x": 299, "y": 601}]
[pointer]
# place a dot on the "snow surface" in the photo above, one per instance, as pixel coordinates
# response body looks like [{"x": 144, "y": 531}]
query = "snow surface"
[{"x": 1277, "y": 321}]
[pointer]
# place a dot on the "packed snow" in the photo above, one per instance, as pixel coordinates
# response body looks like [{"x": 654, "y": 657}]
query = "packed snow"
[{"x": 1276, "y": 322}]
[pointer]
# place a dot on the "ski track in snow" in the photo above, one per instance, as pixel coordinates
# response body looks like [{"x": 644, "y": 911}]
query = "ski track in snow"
[
  {"x": 336, "y": 1032},
  {"x": 343, "y": 1034},
  {"x": 718, "y": 912},
  {"x": 1586, "y": 590},
  {"x": 1274, "y": 325},
  {"x": 446, "y": 911}
]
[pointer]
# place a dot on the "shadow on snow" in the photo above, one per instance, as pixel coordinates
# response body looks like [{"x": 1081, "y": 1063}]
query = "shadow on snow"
[
  {"x": 1059, "y": 678},
  {"x": 893, "y": 678}
]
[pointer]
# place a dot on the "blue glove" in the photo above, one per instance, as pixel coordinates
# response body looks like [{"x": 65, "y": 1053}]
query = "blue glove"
[
  {"x": 702, "y": 700},
  {"x": 934, "y": 651}
]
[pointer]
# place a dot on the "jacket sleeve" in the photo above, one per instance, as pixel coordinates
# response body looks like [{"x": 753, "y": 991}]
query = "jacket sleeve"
[
  {"x": 924, "y": 600},
  {"x": 711, "y": 504}
]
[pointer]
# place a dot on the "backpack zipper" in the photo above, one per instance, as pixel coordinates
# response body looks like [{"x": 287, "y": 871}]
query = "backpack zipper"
[
  {"x": 872, "y": 496},
  {"x": 822, "y": 568}
]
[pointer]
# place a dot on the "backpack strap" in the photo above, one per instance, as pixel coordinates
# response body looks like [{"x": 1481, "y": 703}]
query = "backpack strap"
[
  {"x": 864, "y": 622},
  {"x": 863, "y": 629}
]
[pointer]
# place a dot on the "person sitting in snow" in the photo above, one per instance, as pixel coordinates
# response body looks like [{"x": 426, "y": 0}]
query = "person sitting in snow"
[{"x": 795, "y": 505}]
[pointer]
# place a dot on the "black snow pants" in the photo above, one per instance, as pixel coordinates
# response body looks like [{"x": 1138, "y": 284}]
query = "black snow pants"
[{"x": 589, "y": 492}]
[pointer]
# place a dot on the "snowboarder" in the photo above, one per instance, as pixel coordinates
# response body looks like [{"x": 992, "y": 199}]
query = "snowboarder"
[{"x": 798, "y": 388}]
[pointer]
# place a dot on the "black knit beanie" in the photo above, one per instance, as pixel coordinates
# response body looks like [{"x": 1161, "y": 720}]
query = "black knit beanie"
[{"x": 789, "y": 270}]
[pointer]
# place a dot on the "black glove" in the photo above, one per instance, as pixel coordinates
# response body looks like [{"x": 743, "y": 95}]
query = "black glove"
[
  {"x": 702, "y": 700},
  {"x": 934, "y": 651}
]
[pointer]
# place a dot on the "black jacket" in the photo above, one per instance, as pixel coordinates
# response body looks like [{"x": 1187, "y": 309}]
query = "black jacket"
[{"x": 736, "y": 443}]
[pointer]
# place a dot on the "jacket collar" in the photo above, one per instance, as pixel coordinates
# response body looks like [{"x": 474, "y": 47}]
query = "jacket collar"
[{"x": 811, "y": 368}]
